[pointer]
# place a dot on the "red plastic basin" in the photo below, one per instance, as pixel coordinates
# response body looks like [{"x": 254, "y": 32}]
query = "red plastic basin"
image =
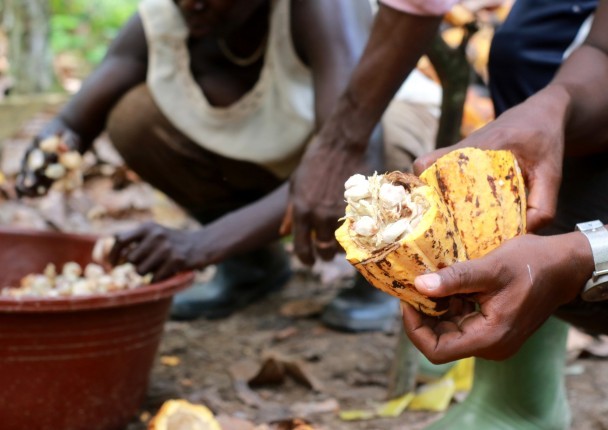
[{"x": 81, "y": 363}]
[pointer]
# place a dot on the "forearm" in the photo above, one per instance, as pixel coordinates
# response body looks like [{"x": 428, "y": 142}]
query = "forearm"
[
  {"x": 396, "y": 43},
  {"x": 124, "y": 66},
  {"x": 243, "y": 230},
  {"x": 583, "y": 78},
  {"x": 86, "y": 113},
  {"x": 576, "y": 255}
]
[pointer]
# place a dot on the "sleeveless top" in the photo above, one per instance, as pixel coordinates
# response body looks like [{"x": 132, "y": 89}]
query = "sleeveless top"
[{"x": 269, "y": 125}]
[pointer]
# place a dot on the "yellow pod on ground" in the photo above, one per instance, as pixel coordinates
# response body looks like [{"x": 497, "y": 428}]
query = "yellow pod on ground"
[{"x": 183, "y": 415}]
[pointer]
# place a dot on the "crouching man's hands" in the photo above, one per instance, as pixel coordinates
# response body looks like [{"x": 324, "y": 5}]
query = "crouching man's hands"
[
  {"x": 155, "y": 249},
  {"x": 44, "y": 156}
]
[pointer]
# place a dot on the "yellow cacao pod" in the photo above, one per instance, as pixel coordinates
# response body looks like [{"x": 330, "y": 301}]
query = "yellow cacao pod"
[
  {"x": 183, "y": 415},
  {"x": 463, "y": 206}
]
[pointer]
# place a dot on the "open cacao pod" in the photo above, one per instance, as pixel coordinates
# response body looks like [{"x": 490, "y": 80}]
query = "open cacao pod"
[
  {"x": 398, "y": 226},
  {"x": 183, "y": 415}
]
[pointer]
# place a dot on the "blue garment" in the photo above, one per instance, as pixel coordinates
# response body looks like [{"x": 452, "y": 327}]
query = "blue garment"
[
  {"x": 528, "y": 47},
  {"x": 526, "y": 52}
]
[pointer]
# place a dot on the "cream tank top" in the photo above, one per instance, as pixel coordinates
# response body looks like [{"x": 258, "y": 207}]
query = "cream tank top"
[{"x": 269, "y": 125}]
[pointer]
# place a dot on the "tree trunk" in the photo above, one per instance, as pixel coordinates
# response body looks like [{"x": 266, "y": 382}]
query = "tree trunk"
[
  {"x": 404, "y": 367},
  {"x": 27, "y": 24},
  {"x": 455, "y": 73}
]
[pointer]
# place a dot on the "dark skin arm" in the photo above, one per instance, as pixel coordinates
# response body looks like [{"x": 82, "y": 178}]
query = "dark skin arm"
[
  {"x": 331, "y": 52},
  {"x": 396, "y": 43},
  {"x": 583, "y": 77},
  {"x": 521, "y": 283},
  {"x": 84, "y": 116},
  {"x": 565, "y": 118},
  {"x": 123, "y": 68}
]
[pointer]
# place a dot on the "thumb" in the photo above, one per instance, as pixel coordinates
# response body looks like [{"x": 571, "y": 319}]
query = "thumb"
[{"x": 459, "y": 278}]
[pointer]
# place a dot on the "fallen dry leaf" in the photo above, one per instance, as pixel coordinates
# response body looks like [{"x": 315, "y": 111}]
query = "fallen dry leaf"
[
  {"x": 186, "y": 382},
  {"x": 292, "y": 424},
  {"x": 300, "y": 373},
  {"x": 271, "y": 372},
  {"x": 275, "y": 368},
  {"x": 286, "y": 333},
  {"x": 241, "y": 372},
  {"x": 304, "y": 308}
]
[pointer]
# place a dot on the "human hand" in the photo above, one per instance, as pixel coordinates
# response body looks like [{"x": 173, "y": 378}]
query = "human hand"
[
  {"x": 155, "y": 249},
  {"x": 501, "y": 298},
  {"x": 317, "y": 196},
  {"x": 534, "y": 132},
  {"x": 33, "y": 179}
]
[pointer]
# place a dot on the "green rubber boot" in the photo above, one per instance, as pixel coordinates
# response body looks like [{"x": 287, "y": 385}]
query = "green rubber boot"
[
  {"x": 525, "y": 392},
  {"x": 428, "y": 372}
]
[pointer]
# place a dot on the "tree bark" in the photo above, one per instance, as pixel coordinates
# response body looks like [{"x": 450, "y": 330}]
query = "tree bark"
[
  {"x": 404, "y": 367},
  {"x": 454, "y": 71},
  {"x": 27, "y": 24}
]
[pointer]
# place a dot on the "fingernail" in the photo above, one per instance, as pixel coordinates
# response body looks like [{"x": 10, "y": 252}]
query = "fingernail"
[{"x": 429, "y": 282}]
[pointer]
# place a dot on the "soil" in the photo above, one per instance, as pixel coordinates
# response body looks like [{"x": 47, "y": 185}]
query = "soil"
[
  {"x": 209, "y": 362},
  {"x": 352, "y": 369}
]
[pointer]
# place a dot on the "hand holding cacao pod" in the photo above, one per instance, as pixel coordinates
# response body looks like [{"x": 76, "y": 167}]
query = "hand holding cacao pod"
[{"x": 398, "y": 226}]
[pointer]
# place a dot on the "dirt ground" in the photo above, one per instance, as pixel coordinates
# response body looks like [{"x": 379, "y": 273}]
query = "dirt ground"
[
  {"x": 352, "y": 368},
  {"x": 209, "y": 361}
]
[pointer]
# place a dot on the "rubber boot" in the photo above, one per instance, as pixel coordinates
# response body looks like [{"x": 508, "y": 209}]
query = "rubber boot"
[
  {"x": 428, "y": 371},
  {"x": 237, "y": 282},
  {"x": 361, "y": 308},
  {"x": 525, "y": 392}
]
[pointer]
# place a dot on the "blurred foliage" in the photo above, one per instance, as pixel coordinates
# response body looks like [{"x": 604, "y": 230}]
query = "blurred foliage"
[{"x": 85, "y": 28}]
